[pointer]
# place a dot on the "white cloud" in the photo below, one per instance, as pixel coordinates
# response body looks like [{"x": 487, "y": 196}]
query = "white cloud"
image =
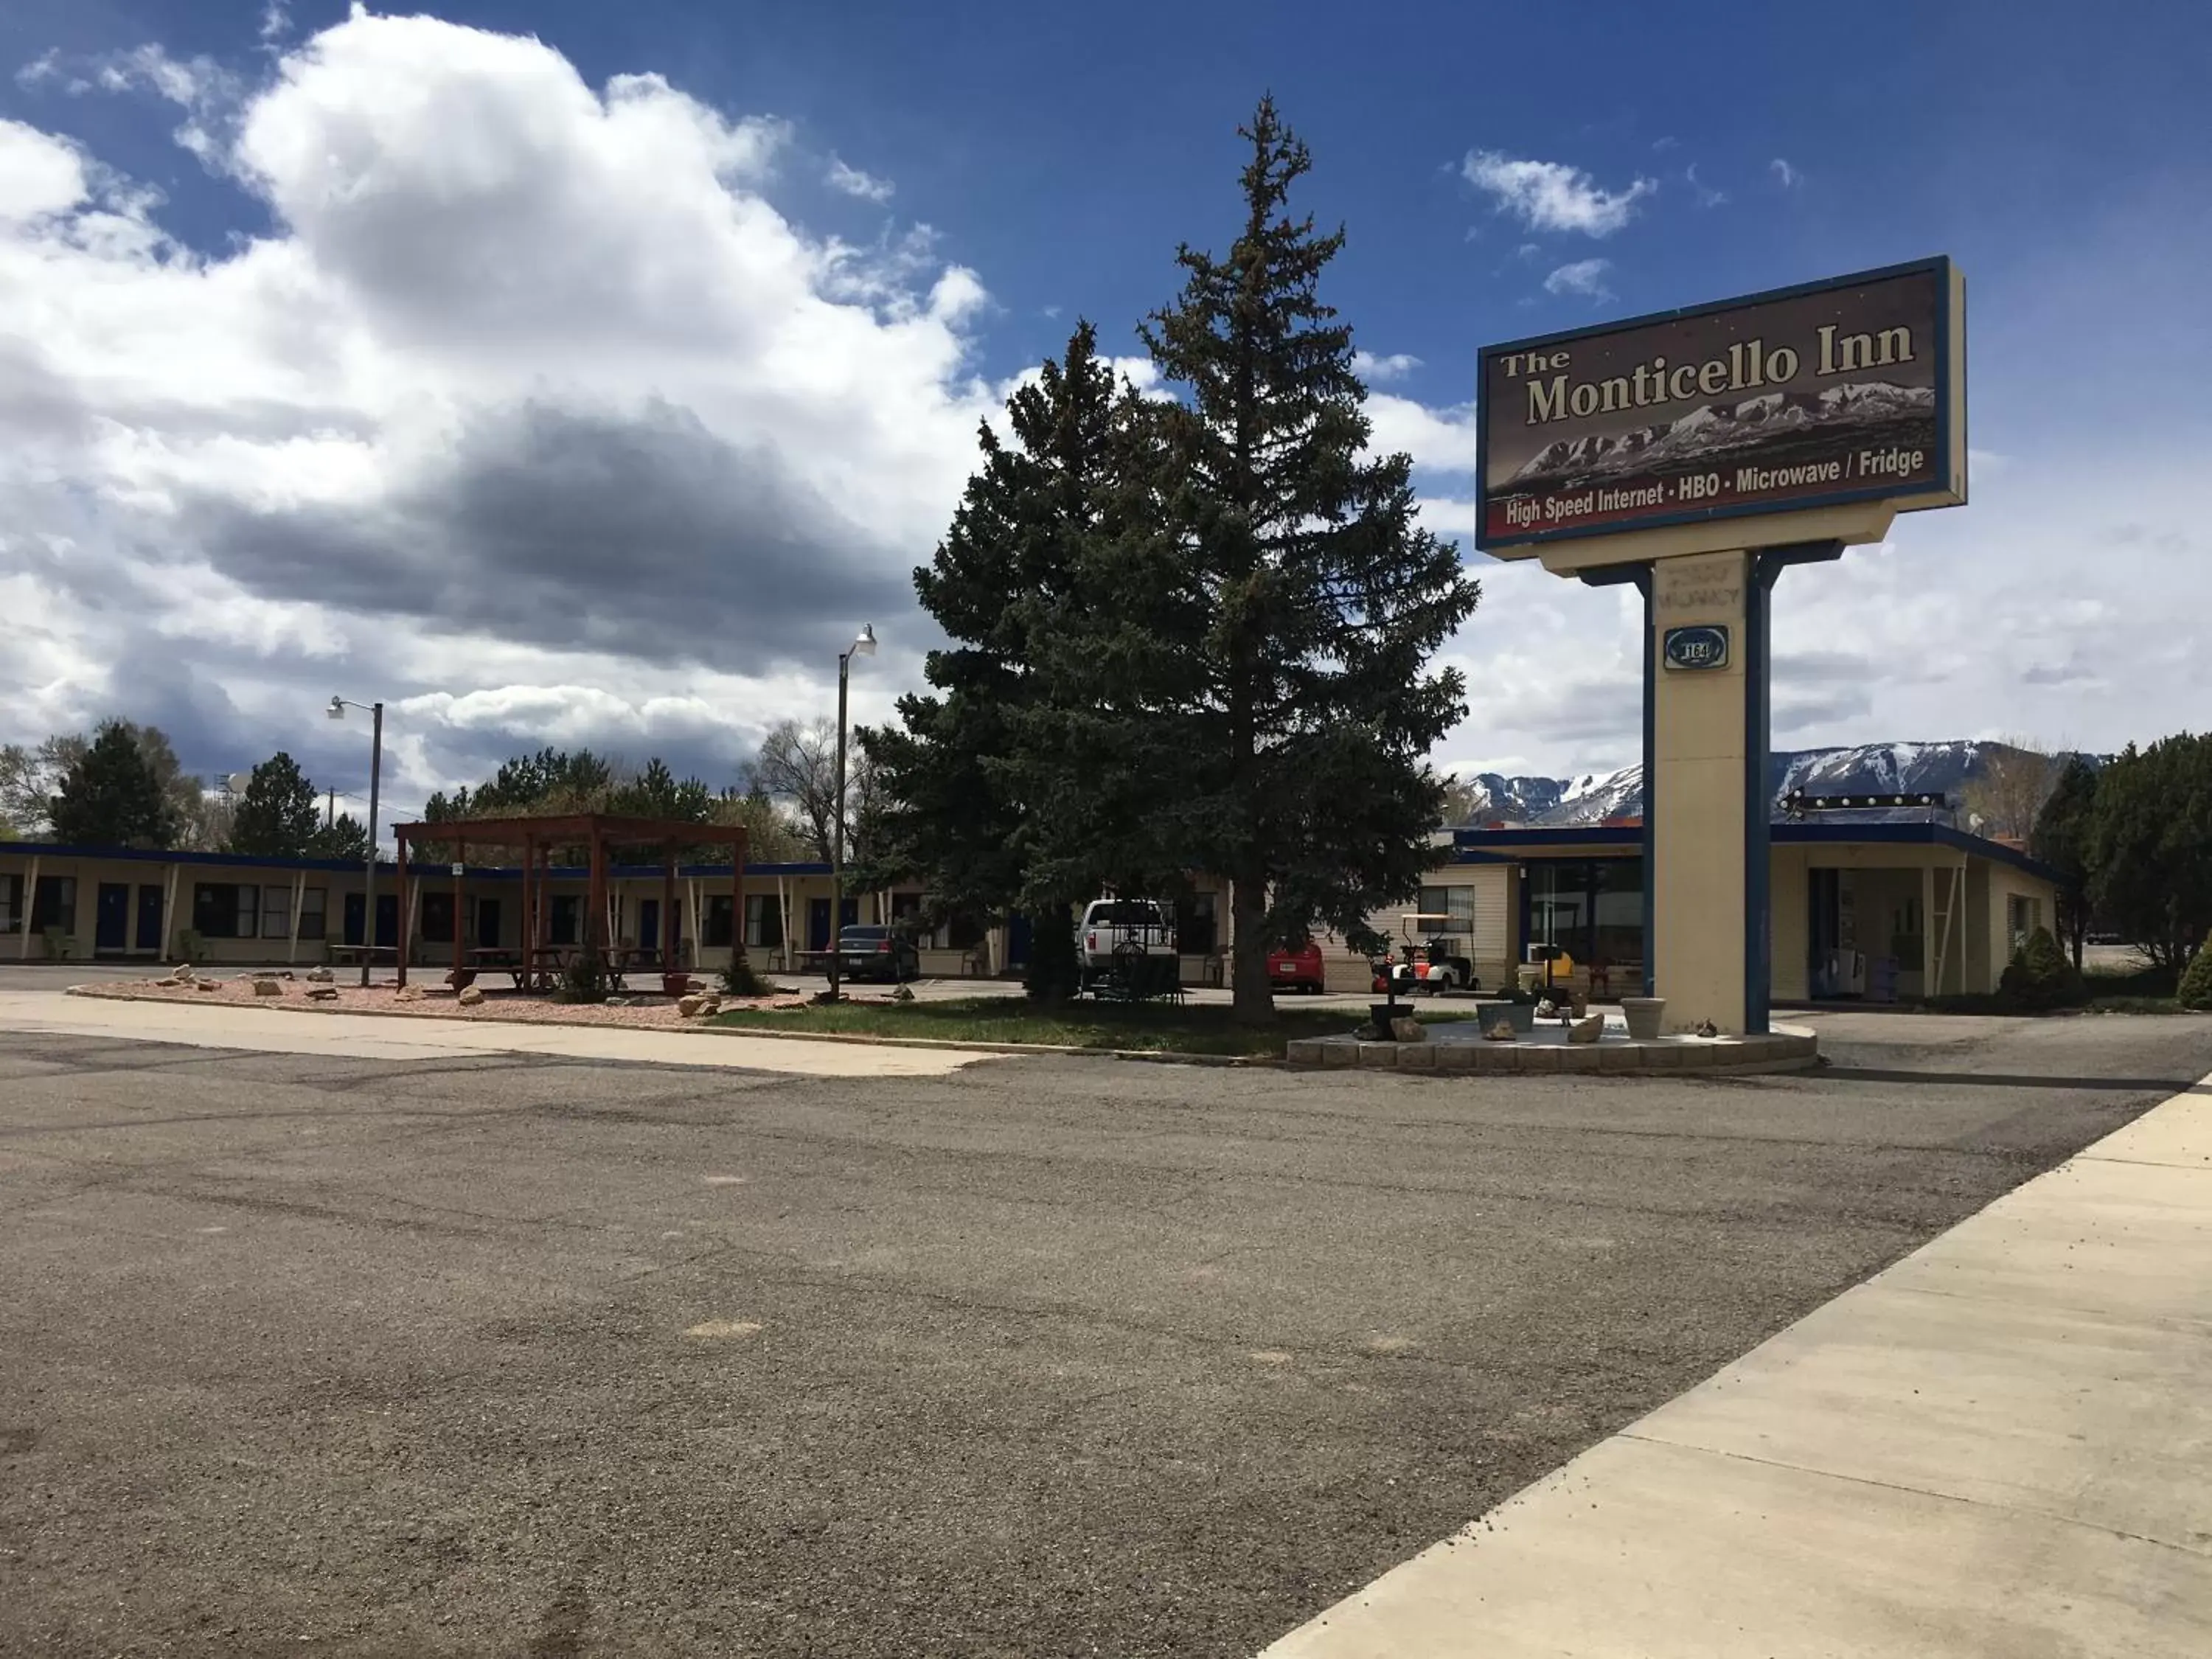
[
  {"x": 1783, "y": 171},
  {"x": 1584, "y": 277},
  {"x": 1438, "y": 439},
  {"x": 1374, "y": 370},
  {"x": 275, "y": 21},
  {"x": 851, "y": 181},
  {"x": 1553, "y": 196},
  {"x": 1707, "y": 197},
  {"x": 531, "y": 413}
]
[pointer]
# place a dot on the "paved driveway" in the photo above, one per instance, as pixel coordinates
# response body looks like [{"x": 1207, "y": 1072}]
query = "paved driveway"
[{"x": 527, "y": 1355}]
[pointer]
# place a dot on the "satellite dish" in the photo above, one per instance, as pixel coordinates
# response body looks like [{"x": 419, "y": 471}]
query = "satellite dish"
[{"x": 236, "y": 783}]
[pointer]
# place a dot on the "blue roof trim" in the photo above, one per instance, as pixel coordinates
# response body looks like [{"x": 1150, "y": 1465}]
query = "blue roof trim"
[
  {"x": 418, "y": 869},
  {"x": 1468, "y": 848}
]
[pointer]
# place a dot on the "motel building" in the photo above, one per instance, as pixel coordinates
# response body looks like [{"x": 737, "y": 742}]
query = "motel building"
[{"x": 1873, "y": 912}]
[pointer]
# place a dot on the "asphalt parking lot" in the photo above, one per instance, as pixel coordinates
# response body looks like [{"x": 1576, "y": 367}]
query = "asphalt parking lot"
[{"x": 525, "y": 1356}]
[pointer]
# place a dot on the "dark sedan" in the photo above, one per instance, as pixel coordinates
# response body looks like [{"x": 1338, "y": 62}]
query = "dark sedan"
[{"x": 877, "y": 953}]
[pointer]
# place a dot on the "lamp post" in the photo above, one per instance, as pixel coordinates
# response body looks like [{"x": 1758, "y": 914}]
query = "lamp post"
[
  {"x": 337, "y": 711},
  {"x": 864, "y": 646}
]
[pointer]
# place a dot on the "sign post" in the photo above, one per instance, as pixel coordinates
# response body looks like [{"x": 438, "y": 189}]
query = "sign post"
[{"x": 1697, "y": 454}]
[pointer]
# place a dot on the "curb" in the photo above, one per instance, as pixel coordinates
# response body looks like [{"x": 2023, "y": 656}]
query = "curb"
[
  {"x": 1778, "y": 1051},
  {"x": 281, "y": 1005}
]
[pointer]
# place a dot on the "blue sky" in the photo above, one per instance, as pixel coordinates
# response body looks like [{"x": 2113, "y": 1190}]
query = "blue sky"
[{"x": 1500, "y": 171}]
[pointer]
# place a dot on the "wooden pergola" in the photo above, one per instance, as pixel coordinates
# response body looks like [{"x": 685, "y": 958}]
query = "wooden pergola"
[{"x": 599, "y": 832}]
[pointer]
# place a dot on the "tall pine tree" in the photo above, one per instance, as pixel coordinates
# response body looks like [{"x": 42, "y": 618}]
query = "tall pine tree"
[
  {"x": 112, "y": 796},
  {"x": 278, "y": 816},
  {"x": 968, "y": 799},
  {"x": 1261, "y": 655}
]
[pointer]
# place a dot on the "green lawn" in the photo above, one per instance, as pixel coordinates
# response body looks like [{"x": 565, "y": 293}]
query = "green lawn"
[{"x": 1153, "y": 1028}]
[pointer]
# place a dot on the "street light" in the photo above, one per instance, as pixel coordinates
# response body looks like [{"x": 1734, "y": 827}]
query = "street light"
[
  {"x": 864, "y": 646},
  {"x": 337, "y": 712}
]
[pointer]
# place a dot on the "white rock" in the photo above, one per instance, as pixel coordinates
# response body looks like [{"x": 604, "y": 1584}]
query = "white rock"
[
  {"x": 470, "y": 995},
  {"x": 1406, "y": 1028},
  {"x": 1587, "y": 1030},
  {"x": 688, "y": 1006}
]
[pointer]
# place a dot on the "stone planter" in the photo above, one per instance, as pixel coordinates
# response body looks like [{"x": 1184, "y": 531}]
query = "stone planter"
[
  {"x": 1645, "y": 1016},
  {"x": 1522, "y": 1014}
]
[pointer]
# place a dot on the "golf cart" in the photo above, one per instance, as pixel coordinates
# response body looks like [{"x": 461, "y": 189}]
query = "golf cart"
[{"x": 1436, "y": 964}]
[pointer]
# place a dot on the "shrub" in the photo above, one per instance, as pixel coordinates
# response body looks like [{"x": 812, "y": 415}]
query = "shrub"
[
  {"x": 2040, "y": 977},
  {"x": 584, "y": 979},
  {"x": 61, "y": 944},
  {"x": 2195, "y": 988},
  {"x": 739, "y": 979},
  {"x": 190, "y": 946}
]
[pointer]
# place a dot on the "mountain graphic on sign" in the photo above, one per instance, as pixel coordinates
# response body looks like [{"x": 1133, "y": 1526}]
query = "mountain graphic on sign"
[{"x": 1851, "y": 411}]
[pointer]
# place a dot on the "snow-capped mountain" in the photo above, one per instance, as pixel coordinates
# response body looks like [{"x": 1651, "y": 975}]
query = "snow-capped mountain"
[
  {"x": 1945, "y": 767},
  {"x": 1714, "y": 428}
]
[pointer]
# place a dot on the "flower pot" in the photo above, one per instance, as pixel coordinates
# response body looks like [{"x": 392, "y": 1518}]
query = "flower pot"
[
  {"x": 1645, "y": 1016},
  {"x": 675, "y": 985}
]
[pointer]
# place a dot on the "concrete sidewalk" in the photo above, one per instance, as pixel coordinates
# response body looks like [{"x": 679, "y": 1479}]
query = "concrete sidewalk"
[
  {"x": 369, "y": 1036},
  {"x": 2000, "y": 1446}
]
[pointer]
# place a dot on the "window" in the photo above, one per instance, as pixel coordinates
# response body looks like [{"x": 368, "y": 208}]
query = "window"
[
  {"x": 2023, "y": 915},
  {"x": 276, "y": 913},
  {"x": 1196, "y": 927},
  {"x": 222, "y": 910},
  {"x": 11, "y": 903},
  {"x": 1456, "y": 903},
  {"x": 438, "y": 918},
  {"x": 54, "y": 905},
  {"x": 763, "y": 922},
  {"x": 313, "y": 903},
  {"x": 567, "y": 913},
  {"x": 964, "y": 931},
  {"x": 1591, "y": 910},
  {"x": 714, "y": 925}
]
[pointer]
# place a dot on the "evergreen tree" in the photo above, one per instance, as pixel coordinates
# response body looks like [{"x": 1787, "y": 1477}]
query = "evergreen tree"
[
  {"x": 2195, "y": 990},
  {"x": 344, "y": 838},
  {"x": 278, "y": 815},
  {"x": 968, "y": 784},
  {"x": 1264, "y": 703},
  {"x": 2150, "y": 846},
  {"x": 112, "y": 796},
  {"x": 2061, "y": 840}
]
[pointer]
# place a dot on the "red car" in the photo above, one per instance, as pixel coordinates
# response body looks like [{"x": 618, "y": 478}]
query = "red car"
[{"x": 1295, "y": 968}]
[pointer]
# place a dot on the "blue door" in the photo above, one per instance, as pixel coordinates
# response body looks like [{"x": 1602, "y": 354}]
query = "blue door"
[
  {"x": 1018, "y": 934},
  {"x": 149, "y": 919},
  {"x": 112, "y": 921},
  {"x": 648, "y": 924},
  {"x": 488, "y": 924},
  {"x": 817, "y": 924}
]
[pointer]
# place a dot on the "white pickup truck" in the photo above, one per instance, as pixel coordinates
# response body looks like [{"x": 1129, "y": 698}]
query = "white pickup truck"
[{"x": 1110, "y": 925}]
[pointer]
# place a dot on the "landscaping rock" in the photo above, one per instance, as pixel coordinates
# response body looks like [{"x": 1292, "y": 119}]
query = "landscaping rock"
[
  {"x": 407, "y": 993},
  {"x": 267, "y": 987},
  {"x": 320, "y": 975},
  {"x": 182, "y": 973},
  {"x": 322, "y": 993},
  {"x": 1587, "y": 1029},
  {"x": 1707, "y": 1028},
  {"x": 1406, "y": 1028},
  {"x": 471, "y": 996},
  {"x": 205, "y": 985},
  {"x": 1501, "y": 1032},
  {"x": 688, "y": 1007}
]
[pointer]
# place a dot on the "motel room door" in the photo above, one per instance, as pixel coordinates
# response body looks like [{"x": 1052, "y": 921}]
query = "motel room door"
[{"x": 112, "y": 920}]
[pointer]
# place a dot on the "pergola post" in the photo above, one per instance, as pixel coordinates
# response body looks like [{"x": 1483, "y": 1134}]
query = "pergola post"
[
  {"x": 399, "y": 903},
  {"x": 526, "y": 934},
  {"x": 595, "y": 906}
]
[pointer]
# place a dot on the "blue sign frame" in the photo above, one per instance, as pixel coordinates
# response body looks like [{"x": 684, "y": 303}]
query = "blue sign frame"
[{"x": 1950, "y": 445}]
